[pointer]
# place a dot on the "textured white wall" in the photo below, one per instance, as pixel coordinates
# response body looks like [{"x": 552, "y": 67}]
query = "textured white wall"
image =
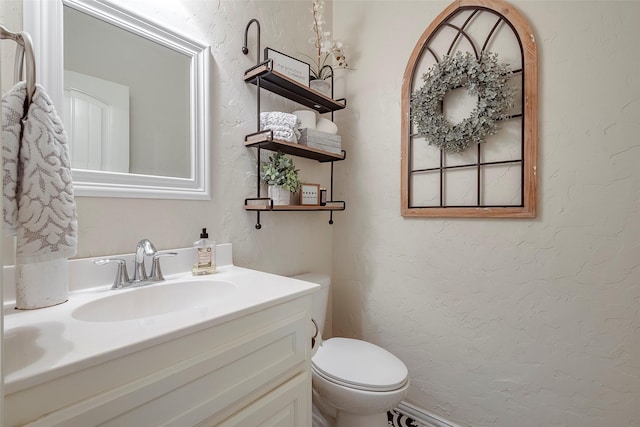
[
  {"x": 11, "y": 18},
  {"x": 503, "y": 322},
  {"x": 288, "y": 242}
]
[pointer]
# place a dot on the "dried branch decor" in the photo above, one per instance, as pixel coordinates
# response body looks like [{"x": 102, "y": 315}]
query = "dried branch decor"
[{"x": 484, "y": 78}]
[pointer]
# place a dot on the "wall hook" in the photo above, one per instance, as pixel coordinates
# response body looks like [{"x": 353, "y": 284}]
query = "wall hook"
[{"x": 245, "y": 49}]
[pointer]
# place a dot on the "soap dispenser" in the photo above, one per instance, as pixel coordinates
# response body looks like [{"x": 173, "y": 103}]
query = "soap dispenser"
[{"x": 205, "y": 255}]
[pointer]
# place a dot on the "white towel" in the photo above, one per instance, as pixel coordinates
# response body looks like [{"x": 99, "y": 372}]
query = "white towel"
[
  {"x": 38, "y": 201},
  {"x": 282, "y": 132},
  {"x": 285, "y": 126}
]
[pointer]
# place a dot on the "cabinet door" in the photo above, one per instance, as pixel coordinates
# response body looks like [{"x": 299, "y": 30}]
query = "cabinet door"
[{"x": 287, "y": 406}]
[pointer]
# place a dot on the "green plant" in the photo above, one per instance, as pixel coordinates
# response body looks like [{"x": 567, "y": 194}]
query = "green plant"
[
  {"x": 280, "y": 170},
  {"x": 484, "y": 78}
]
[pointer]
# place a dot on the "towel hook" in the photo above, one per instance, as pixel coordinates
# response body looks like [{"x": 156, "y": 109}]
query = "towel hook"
[{"x": 245, "y": 49}]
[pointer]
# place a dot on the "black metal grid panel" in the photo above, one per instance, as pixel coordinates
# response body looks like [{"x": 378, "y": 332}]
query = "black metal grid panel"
[{"x": 478, "y": 47}]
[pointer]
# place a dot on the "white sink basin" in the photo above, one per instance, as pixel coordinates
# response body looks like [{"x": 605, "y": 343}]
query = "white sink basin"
[{"x": 153, "y": 300}]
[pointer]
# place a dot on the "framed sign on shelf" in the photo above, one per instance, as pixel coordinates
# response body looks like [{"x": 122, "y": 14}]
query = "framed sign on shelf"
[
  {"x": 290, "y": 67},
  {"x": 310, "y": 195}
]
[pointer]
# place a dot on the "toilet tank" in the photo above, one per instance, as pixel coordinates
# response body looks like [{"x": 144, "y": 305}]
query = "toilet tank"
[{"x": 320, "y": 299}]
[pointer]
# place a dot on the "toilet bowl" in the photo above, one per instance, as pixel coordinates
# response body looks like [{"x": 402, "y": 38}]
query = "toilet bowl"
[{"x": 355, "y": 382}]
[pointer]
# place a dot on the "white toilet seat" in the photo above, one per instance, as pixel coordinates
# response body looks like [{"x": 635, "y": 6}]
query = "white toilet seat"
[{"x": 359, "y": 365}]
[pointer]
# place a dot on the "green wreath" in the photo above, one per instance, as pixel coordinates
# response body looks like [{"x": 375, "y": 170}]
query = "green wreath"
[{"x": 484, "y": 78}]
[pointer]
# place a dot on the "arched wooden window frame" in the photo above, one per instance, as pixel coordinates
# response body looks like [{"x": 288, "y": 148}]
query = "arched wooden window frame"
[{"x": 528, "y": 50}]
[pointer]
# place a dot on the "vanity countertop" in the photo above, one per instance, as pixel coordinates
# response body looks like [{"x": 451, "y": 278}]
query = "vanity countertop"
[{"x": 44, "y": 344}]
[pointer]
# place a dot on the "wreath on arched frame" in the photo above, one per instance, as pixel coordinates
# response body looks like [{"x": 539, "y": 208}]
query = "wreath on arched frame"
[{"x": 484, "y": 78}]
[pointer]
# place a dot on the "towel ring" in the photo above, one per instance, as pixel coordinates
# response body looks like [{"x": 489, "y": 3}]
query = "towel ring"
[
  {"x": 23, "y": 51},
  {"x": 26, "y": 52}
]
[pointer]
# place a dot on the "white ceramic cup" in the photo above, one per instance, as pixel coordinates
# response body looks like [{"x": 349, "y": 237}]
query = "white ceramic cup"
[
  {"x": 307, "y": 118},
  {"x": 326, "y": 125}
]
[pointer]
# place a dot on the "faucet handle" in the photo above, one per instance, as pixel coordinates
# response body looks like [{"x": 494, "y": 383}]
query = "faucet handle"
[
  {"x": 156, "y": 273},
  {"x": 122, "y": 276}
]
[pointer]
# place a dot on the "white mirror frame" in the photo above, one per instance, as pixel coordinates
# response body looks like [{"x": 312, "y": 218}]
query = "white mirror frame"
[{"x": 43, "y": 20}]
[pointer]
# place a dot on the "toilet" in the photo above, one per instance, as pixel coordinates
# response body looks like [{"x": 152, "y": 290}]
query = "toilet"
[{"x": 355, "y": 382}]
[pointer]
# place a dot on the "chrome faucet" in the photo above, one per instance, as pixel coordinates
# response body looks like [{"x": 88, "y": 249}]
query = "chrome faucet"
[
  {"x": 122, "y": 277},
  {"x": 144, "y": 247}
]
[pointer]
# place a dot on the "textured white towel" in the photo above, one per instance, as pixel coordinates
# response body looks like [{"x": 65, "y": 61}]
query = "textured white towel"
[
  {"x": 38, "y": 201},
  {"x": 285, "y": 126}
]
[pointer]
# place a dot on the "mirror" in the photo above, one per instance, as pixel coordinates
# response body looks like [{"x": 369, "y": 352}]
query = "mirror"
[{"x": 134, "y": 98}]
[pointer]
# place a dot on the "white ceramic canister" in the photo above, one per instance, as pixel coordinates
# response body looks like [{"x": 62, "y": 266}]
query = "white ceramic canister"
[
  {"x": 307, "y": 118},
  {"x": 326, "y": 125},
  {"x": 41, "y": 284}
]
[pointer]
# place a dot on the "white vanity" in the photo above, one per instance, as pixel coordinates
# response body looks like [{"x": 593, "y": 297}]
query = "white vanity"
[{"x": 236, "y": 354}]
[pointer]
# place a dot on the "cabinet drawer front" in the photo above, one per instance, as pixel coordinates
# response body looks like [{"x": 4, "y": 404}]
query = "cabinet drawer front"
[
  {"x": 287, "y": 406},
  {"x": 258, "y": 365}
]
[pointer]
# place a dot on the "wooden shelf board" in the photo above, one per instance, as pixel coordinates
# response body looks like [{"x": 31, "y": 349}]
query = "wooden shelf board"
[
  {"x": 290, "y": 89},
  {"x": 263, "y": 140},
  {"x": 293, "y": 208}
]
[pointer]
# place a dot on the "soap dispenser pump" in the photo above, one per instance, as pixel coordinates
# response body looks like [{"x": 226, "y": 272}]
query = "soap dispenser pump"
[{"x": 205, "y": 255}]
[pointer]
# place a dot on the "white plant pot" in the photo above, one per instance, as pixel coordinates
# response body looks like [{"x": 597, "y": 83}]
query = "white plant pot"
[
  {"x": 279, "y": 195},
  {"x": 322, "y": 86}
]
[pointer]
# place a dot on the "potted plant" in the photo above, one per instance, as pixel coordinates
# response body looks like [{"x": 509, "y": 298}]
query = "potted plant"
[
  {"x": 280, "y": 174},
  {"x": 325, "y": 48}
]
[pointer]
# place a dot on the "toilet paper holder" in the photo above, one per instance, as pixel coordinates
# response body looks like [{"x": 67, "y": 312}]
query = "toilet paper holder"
[{"x": 315, "y": 334}]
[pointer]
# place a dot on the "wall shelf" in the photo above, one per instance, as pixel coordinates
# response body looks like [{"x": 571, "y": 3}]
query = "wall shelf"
[
  {"x": 264, "y": 75},
  {"x": 265, "y": 204},
  {"x": 264, "y": 139}
]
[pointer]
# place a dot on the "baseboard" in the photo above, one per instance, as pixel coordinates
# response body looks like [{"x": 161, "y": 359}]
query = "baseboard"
[{"x": 422, "y": 416}]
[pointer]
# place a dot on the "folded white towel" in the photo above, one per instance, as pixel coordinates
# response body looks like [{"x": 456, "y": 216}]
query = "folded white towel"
[
  {"x": 39, "y": 206},
  {"x": 279, "y": 118},
  {"x": 287, "y": 136},
  {"x": 285, "y": 126},
  {"x": 283, "y": 133}
]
